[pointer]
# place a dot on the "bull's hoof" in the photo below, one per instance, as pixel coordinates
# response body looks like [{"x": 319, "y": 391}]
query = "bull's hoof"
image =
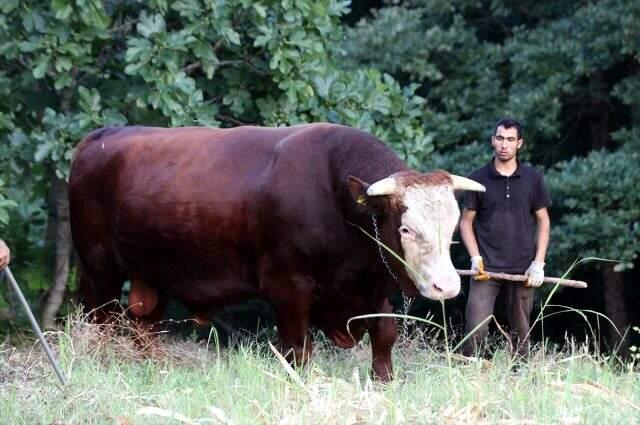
[
  {"x": 382, "y": 373},
  {"x": 298, "y": 357}
]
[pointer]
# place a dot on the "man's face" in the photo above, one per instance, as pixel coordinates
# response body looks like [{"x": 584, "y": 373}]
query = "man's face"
[{"x": 506, "y": 143}]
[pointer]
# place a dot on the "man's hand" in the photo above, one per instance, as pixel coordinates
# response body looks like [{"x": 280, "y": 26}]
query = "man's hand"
[
  {"x": 478, "y": 266},
  {"x": 535, "y": 272},
  {"x": 5, "y": 255}
]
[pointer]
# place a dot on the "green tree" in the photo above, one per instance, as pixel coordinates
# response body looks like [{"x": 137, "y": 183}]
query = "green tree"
[{"x": 438, "y": 46}]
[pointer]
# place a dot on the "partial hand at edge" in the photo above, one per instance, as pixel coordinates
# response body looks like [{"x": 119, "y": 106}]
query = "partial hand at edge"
[{"x": 5, "y": 255}]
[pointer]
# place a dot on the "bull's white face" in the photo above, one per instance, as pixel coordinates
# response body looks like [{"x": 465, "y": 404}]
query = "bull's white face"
[{"x": 426, "y": 229}]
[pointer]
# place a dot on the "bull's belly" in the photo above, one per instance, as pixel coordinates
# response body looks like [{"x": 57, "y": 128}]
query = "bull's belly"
[
  {"x": 204, "y": 295},
  {"x": 331, "y": 313},
  {"x": 211, "y": 292},
  {"x": 197, "y": 282}
]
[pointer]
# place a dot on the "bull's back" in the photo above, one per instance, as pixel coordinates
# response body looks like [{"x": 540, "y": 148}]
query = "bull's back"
[
  {"x": 180, "y": 154},
  {"x": 170, "y": 204},
  {"x": 145, "y": 171}
]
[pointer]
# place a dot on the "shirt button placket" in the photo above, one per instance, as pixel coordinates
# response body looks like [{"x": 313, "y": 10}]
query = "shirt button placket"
[{"x": 507, "y": 191}]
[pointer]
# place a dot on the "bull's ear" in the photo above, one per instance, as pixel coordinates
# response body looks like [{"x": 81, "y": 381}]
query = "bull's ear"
[{"x": 358, "y": 190}]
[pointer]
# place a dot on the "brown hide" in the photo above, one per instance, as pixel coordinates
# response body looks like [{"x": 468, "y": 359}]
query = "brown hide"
[{"x": 214, "y": 216}]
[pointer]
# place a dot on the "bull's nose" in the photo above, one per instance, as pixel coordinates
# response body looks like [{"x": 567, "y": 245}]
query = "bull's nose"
[
  {"x": 444, "y": 290},
  {"x": 436, "y": 292}
]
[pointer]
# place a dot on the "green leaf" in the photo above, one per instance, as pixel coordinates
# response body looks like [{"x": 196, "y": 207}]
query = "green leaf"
[
  {"x": 62, "y": 81},
  {"x": 4, "y": 217},
  {"x": 184, "y": 83},
  {"x": 63, "y": 64},
  {"x": 231, "y": 35},
  {"x": 150, "y": 24},
  {"x": 41, "y": 68},
  {"x": 204, "y": 51},
  {"x": 133, "y": 68},
  {"x": 95, "y": 16},
  {"x": 29, "y": 46},
  {"x": 9, "y": 5},
  {"x": 260, "y": 10},
  {"x": 139, "y": 48},
  {"x": 90, "y": 99},
  {"x": 113, "y": 117},
  {"x": 27, "y": 22},
  {"x": 57, "y": 5},
  {"x": 64, "y": 11},
  {"x": 39, "y": 22},
  {"x": 42, "y": 151}
]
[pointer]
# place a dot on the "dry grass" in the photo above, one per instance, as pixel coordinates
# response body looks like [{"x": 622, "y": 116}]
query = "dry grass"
[{"x": 113, "y": 381}]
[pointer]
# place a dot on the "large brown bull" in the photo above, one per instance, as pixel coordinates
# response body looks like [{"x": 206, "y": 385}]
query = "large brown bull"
[{"x": 212, "y": 216}]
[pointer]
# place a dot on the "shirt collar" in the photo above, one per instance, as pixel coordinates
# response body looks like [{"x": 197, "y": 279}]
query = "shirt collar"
[{"x": 495, "y": 174}]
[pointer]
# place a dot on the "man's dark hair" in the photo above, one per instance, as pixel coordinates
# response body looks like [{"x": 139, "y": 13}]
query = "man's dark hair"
[{"x": 508, "y": 122}]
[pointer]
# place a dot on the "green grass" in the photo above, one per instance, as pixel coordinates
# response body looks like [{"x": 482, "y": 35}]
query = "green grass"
[{"x": 184, "y": 382}]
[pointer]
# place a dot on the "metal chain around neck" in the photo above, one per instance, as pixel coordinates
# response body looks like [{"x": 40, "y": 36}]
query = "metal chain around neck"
[{"x": 384, "y": 259}]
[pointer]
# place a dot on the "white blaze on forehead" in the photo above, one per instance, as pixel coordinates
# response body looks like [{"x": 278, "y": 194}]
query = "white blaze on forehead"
[
  {"x": 431, "y": 215},
  {"x": 431, "y": 211}
]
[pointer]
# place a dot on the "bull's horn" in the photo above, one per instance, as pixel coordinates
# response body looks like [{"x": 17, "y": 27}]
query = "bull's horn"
[
  {"x": 386, "y": 186},
  {"x": 463, "y": 183}
]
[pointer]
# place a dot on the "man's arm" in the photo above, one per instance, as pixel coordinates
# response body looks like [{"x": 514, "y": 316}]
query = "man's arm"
[
  {"x": 535, "y": 272},
  {"x": 469, "y": 239},
  {"x": 466, "y": 232},
  {"x": 5, "y": 255},
  {"x": 542, "y": 237}
]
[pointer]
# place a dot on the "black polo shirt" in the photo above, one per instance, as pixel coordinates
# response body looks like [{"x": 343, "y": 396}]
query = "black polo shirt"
[{"x": 505, "y": 222}]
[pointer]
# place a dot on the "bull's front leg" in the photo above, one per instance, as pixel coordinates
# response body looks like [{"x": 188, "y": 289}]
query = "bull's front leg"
[
  {"x": 383, "y": 336},
  {"x": 291, "y": 302},
  {"x": 293, "y": 329}
]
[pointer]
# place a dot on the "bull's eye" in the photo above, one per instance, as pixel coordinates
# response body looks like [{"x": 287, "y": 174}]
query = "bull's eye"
[{"x": 405, "y": 230}]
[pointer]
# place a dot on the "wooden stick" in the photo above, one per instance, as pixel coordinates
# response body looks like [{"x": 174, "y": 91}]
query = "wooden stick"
[{"x": 522, "y": 278}]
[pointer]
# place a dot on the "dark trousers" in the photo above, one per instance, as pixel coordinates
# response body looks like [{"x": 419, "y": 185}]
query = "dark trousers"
[{"x": 482, "y": 297}]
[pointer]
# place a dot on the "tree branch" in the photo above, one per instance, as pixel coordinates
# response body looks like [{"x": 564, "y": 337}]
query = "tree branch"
[
  {"x": 125, "y": 26},
  {"x": 198, "y": 64},
  {"x": 232, "y": 120}
]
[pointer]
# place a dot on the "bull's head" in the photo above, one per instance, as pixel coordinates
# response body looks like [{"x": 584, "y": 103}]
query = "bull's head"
[{"x": 422, "y": 212}]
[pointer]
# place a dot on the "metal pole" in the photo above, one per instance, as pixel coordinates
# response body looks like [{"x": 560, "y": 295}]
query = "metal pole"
[{"x": 34, "y": 323}]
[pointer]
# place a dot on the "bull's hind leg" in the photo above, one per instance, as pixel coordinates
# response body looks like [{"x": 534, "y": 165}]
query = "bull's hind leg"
[
  {"x": 100, "y": 294},
  {"x": 101, "y": 275}
]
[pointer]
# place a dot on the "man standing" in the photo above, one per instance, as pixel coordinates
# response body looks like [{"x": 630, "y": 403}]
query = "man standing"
[{"x": 505, "y": 229}]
